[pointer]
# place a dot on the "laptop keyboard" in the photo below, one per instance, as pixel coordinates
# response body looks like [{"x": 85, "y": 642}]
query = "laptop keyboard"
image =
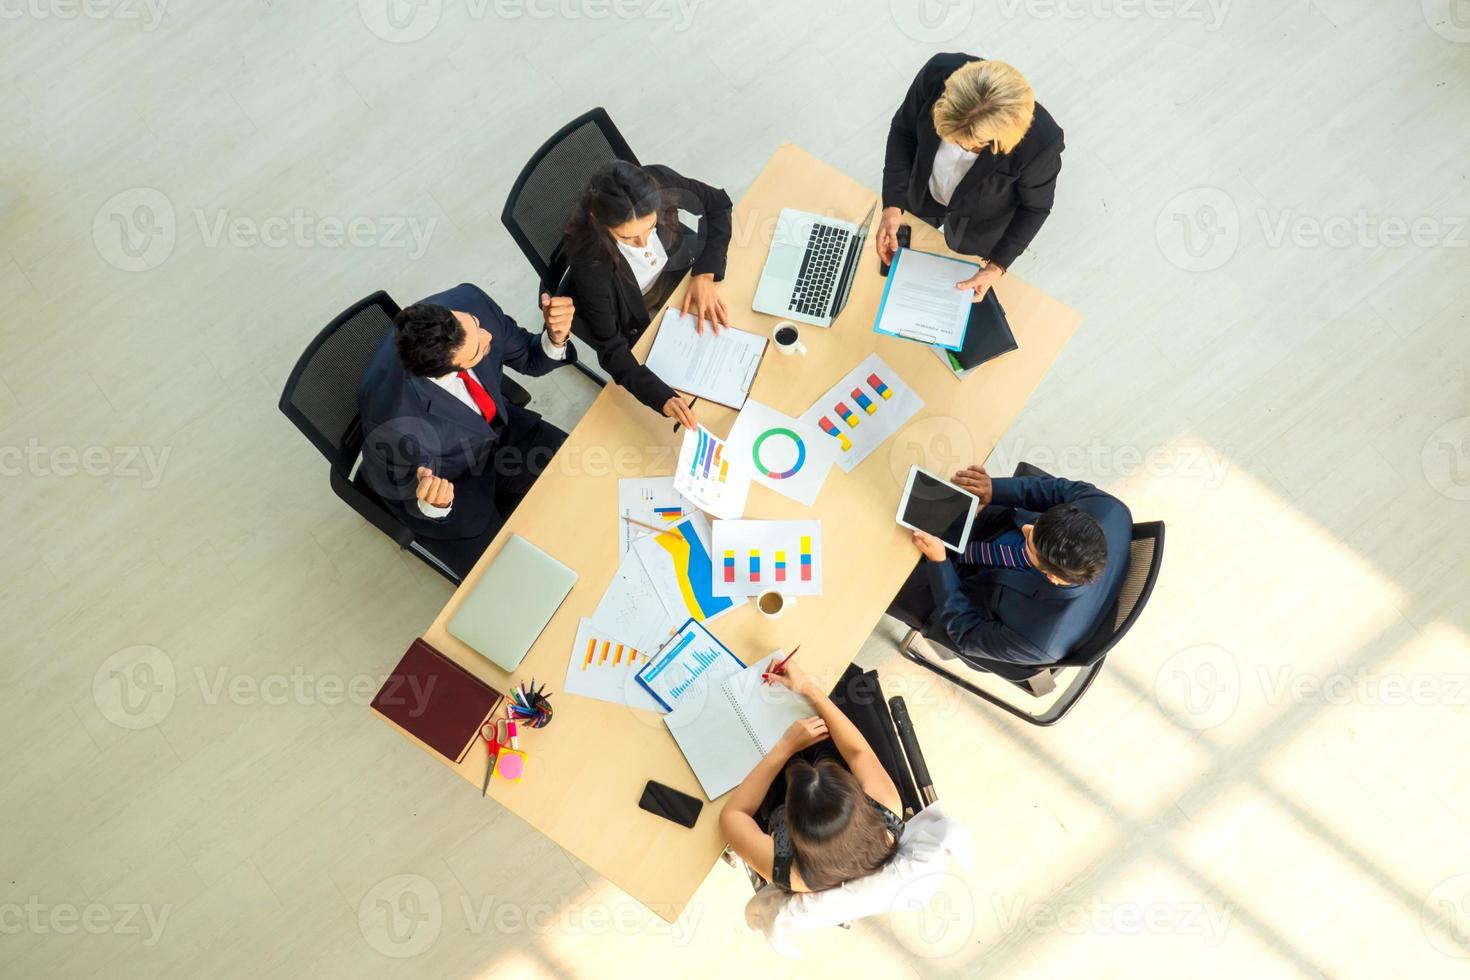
[{"x": 820, "y": 266}]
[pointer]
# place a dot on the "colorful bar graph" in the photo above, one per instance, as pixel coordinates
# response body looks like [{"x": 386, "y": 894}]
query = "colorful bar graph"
[
  {"x": 877, "y": 384},
  {"x": 709, "y": 455},
  {"x": 755, "y": 564},
  {"x": 607, "y": 645},
  {"x": 864, "y": 402},
  {"x": 670, "y": 515},
  {"x": 806, "y": 558},
  {"x": 729, "y": 566},
  {"x": 830, "y": 427},
  {"x": 698, "y": 453},
  {"x": 702, "y": 659},
  {"x": 724, "y": 469},
  {"x": 780, "y": 566},
  {"x": 847, "y": 415}
]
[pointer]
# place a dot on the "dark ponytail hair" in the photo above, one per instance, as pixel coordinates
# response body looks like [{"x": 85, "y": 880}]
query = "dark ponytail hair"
[
  {"x": 618, "y": 192},
  {"x": 837, "y": 835}
]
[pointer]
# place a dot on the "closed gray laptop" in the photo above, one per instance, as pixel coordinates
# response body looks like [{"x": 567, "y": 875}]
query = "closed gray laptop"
[{"x": 512, "y": 603}]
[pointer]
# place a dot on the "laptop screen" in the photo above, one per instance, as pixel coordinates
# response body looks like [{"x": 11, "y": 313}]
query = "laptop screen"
[{"x": 850, "y": 266}]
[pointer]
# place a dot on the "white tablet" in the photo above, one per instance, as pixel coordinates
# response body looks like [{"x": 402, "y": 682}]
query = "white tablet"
[{"x": 938, "y": 507}]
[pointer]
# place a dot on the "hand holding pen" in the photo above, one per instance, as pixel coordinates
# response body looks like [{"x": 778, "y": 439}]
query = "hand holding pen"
[{"x": 787, "y": 673}]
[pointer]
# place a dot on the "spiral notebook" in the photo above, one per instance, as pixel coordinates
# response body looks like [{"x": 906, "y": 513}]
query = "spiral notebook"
[{"x": 724, "y": 728}]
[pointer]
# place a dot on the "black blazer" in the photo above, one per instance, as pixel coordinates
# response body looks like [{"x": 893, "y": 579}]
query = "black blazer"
[
  {"x": 409, "y": 421},
  {"x": 611, "y": 309},
  {"x": 1018, "y": 615},
  {"x": 1004, "y": 199}
]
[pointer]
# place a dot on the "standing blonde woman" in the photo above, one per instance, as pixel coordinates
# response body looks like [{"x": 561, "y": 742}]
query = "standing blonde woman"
[{"x": 971, "y": 152}]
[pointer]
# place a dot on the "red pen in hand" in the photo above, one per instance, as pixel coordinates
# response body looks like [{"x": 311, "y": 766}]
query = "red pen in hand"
[{"x": 766, "y": 677}]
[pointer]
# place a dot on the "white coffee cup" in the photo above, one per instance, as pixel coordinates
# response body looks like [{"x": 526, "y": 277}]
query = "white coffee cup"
[
  {"x": 771, "y": 604},
  {"x": 787, "y": 338}
]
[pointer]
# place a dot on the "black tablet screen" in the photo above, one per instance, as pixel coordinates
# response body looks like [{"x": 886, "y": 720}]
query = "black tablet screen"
[{"x": 937, "y": 508}]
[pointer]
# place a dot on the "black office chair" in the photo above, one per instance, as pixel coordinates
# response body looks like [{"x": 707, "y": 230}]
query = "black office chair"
[
  {"x": 320, "y": 399},
  {"x": 1145, "y": 557},
  {"x": 549, "y": 187}
]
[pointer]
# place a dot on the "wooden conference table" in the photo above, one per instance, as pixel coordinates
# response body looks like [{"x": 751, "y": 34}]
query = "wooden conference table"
[{"x": 586, "y": 771}]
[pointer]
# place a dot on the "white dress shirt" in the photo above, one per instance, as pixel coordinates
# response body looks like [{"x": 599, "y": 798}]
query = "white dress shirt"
[
  {"x": 950, "y": 166},
  {"x": 455, "y": 385},
  {"x": 647, "y": 262}
]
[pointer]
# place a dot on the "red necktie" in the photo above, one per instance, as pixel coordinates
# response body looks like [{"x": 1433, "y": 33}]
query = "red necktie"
[{"x": 480, "y": 395}]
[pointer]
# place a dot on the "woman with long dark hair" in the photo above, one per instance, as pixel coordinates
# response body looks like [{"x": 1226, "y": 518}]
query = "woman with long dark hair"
[
  {"x": 837, "y": 818},
  {"x": 627, "y": 251}
]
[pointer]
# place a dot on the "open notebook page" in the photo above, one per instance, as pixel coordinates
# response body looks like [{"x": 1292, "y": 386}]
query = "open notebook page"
[{"x": 724, "y": 729}]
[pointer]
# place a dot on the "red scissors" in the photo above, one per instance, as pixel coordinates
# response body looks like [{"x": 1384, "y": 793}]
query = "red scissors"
[{"x": 490, "y": 732}]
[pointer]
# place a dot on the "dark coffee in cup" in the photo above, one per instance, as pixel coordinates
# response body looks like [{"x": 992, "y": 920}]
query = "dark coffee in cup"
[
  {"x": 786, "y": 336},
  {"x": 771, "y": 602}
]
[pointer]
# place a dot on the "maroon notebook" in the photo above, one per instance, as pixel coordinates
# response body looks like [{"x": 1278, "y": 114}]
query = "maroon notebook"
[{"x": 436, "y": 700}]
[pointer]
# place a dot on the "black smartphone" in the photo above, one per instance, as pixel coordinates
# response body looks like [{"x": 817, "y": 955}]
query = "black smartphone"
[
  {"x": 670, "y": 804},
  {"x": 905, "y": 235}
]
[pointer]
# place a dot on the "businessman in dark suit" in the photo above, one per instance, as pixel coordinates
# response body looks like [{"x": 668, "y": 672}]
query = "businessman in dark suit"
[
  {"x": 1045, "y": 559},
  {"x": 443, "y": 446},
  {"x": 971, "y": 152}
]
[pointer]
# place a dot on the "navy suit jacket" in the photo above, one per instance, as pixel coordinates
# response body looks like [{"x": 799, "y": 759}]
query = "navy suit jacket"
[
  {"x": 409, "y": 421},
  {"x": 1018, "y": 615}
]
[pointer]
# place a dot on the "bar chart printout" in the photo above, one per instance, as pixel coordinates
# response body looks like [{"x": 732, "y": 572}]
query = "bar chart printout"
[
  {"x": 606, "y": 669},
  {"x": 648, "y": 500},
  {"x": 691, "y": 658},
  {"x": 759, "y": 555},
  {"x": 862, "y": 410},
  {"x": 708, "y": 478}
]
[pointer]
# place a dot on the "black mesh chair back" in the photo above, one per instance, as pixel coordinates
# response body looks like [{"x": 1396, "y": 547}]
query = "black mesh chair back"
[
  {"x": 551, "y": 183},
  {"x": 1143, "y": 571},
  {"x": 320, "y": 397}
]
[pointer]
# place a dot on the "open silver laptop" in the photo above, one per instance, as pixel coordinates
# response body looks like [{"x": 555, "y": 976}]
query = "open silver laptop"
[
  {"x": 512, "y": 603},
  {"x": 811, "y": 266}
]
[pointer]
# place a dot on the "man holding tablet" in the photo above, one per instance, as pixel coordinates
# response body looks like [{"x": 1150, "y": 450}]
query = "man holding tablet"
[{"x": 1043, "y": 560}]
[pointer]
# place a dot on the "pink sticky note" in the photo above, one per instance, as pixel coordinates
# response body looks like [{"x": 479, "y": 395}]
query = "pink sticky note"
[{"x": 511, "y": 765}]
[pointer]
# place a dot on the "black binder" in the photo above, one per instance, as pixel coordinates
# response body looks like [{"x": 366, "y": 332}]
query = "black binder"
[{"x": 987, "y": 335}]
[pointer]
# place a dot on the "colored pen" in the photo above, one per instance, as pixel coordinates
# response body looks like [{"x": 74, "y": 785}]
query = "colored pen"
[
  {"x": 691, "y": 409},
  {"x": 515, "y": 738},
  {"x": 778, "y": 669}
]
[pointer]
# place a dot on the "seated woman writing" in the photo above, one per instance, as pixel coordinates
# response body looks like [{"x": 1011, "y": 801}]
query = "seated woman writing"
[
  {"x": 628, "y": 251},
  {"x": 829, "y": 808}
]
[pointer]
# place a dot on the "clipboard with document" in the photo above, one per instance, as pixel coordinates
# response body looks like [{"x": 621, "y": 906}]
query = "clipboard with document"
[{"x": 920, "y": 301}]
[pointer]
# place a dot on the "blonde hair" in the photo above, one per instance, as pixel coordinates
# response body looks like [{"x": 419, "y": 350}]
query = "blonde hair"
[{"x": 986, "y": 103}]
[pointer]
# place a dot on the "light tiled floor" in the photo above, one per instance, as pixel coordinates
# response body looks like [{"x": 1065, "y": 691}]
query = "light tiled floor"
[{"x": 1267, "y": 781}]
